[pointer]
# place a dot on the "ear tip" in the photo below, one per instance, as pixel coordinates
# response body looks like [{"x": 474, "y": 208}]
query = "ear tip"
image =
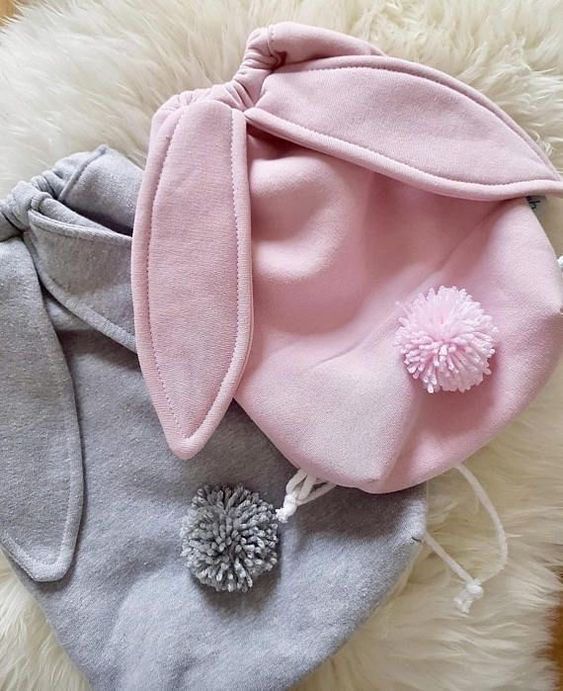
[
  {"x": 42, "y": 570},
  {"x": 48, "y": 572},
  {"x": 185, "y": 448}
]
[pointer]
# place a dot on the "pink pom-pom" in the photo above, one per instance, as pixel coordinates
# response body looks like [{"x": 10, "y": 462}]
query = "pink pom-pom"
[{"x": 446, "y": 340}]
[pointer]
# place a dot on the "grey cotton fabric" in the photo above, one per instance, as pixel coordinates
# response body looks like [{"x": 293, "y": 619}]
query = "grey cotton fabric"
[{"x": 92, "y": 501}]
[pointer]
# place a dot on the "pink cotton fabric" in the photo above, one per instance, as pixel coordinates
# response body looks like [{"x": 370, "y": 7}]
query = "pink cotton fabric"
[{"x": 283, "y": 216}]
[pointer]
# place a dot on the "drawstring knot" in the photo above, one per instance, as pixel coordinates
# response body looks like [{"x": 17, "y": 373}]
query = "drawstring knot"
[
  {"x": 288, "y": 509},
  {"x": 473, "y": 587},
  {"x": 472, "y": 591},
  {"x": 301, "y": 489}
]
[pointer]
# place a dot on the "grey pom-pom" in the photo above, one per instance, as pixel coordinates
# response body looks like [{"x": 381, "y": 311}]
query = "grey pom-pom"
[{"x": 229, "y": 537}]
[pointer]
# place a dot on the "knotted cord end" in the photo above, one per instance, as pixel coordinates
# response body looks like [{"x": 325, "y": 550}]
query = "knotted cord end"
[
  {"x": 472, "y": 591},
  {"x": 301, "y": 489},
  {"x": 289, "y": 507}
]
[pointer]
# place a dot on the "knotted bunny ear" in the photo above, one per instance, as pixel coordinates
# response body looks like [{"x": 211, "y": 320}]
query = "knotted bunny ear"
[
  {"x": 46, "y": 245},
  {"x": 191, "y": 270},
  {"x": 407, "y": 121},
  {"x": 40, "y": 451}
]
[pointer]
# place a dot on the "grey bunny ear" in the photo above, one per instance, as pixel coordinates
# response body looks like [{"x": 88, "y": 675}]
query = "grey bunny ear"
[{"x": 40, "y": 449}]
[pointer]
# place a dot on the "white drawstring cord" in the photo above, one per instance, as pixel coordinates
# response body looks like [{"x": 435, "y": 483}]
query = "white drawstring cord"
[
  {"x": 560, "y": 262},
  {"x": 473, "y": 586},
  {"x": 301, "y": 490}
]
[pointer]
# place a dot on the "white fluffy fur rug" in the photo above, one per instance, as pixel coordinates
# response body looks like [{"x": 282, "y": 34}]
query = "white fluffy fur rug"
[{"x": 75, "y": 73}]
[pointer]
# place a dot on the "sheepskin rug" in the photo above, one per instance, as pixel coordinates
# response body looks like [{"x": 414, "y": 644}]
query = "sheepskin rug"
[{"x": 76, "y": 73}]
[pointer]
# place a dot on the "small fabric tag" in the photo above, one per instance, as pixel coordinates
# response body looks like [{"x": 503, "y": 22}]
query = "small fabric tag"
[{"x": 536, "y": 203}]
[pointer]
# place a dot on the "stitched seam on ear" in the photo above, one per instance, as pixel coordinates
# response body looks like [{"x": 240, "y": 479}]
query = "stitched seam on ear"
[
  {"x": 237, "y": 337},
  {"x": 236, "y": 343},
  {"x": 433, "y": 176},
  {"x": 545, "y": 162},
  {"x": 70, "y": 301},
  {"x": 8, "y": 540},
  {"x": 86, "y": 233},
  {"x": 452, "y": 87},
  {"x": 237, "y": 228},
  {"x": 126, "y": 338},
  {"x": 77, "y": 174},
  {"x": 147, "y": 277}
]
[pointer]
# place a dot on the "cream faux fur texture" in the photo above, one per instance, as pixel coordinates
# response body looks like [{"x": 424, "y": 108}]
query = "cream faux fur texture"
[{"x": 76, "y": 73}]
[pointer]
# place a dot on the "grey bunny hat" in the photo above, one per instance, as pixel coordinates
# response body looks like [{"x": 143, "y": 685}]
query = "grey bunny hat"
[{"x": 92, "y": 504}]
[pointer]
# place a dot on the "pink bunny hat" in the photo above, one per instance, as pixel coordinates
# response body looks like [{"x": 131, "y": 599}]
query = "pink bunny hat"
[{"x": 341, "y": 242}]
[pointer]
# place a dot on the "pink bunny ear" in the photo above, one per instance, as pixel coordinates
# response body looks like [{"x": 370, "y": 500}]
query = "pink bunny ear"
[
  {"x": 191, "y": 270},
  {"x": 407, "y": 121}
]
